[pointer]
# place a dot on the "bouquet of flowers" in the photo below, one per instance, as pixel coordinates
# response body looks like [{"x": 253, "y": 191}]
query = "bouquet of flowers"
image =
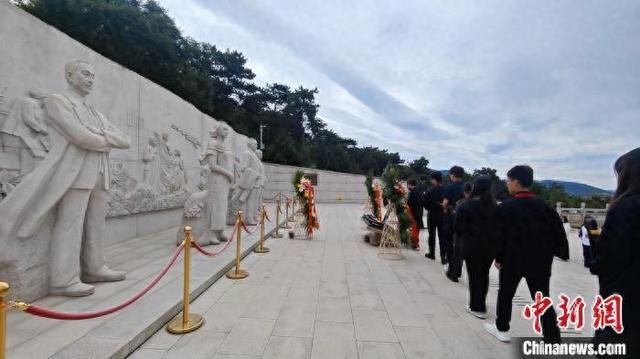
[
  {"x": 306, "y": 194},
  {"x": 375, "y": 196}
]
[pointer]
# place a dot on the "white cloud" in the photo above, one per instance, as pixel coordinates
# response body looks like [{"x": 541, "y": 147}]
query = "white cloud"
[{"x": 553, "y": 84}]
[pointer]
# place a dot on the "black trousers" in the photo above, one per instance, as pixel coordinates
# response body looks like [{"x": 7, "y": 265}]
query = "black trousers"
[
  {"x": 435, "y": 226},
  {"x": 447, "y": 236},
  {"x": 509, "y": 280},
  {"x": 455, "y": 259},
  {"x": 478, "y": 271},
  {"x": 586, "y": 253}
]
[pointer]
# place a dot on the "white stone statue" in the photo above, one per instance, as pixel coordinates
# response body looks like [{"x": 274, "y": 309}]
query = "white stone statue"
[
  {"x": 218, "y": 158},
  {"x": 72, "y": 179},
  {"x": 245, "y": 195}
]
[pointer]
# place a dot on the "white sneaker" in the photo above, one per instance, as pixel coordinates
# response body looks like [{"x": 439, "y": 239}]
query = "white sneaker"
[
  {"x": 504, "y": 337},
  {"x": 481, "y": 315}
]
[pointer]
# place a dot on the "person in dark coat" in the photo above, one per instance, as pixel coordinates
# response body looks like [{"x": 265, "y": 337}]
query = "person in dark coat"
[
  {"x": 616, "y": 254},
  {"x": 423, "y": 188},
  {"x": 433, "y": 204},
  {"x": 475, "y": 227},
  {"x": 454, "y": 270},
  {"x": 531, "y": 234},
  {"x": 450, "y": 197}
]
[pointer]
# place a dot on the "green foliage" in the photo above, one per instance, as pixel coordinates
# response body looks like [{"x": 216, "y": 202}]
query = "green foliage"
[
  {"x": 391, "y": 178},
  {"x": 372, "y": 195},
  {"x": 141, "y": 36}
]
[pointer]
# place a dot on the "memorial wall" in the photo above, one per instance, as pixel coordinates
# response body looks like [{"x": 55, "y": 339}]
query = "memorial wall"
[{"x": 158, "y": 148}]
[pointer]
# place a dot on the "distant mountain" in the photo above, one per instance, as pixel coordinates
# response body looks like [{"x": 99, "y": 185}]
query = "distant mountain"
[{"x": 579, "y": 189}]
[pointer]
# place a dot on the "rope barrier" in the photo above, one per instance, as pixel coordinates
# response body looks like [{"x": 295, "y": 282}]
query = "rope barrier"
[
  {"x": 215, "y": 253},
  {"x": 267, "y": 216},
  {"x": 244, "y": 226},
  {"x": 52, "y": 314}
]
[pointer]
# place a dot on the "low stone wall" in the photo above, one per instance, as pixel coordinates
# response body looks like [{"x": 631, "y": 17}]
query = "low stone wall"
[{"x": 332, "y": 187}]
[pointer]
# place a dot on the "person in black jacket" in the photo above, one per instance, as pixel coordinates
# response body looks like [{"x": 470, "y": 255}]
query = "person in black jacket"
[
  {"x": 616, "y": 254},
  {"x": 423, "y": 188},
  {"x": 450, "y": 197},
  {"x": 433, "y": 204},
  {"x": 475, "y": 227},
  {"x": 531, "y": 234}
]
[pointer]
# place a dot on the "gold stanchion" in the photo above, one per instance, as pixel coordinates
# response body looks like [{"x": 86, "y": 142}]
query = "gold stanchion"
[
  {"x": 261, "y": 248},
  {"x": 286, "y": 216},
  {"x": 277, "y": 234},
  {"x": 187, "y": 322},
  {"x": 238, "y": 273},
  {"x": 4, "y": 291}
]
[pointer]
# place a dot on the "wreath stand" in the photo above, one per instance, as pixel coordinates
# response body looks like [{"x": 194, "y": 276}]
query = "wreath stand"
[
  {"x": 300, "y": 226},
  {"x": 390, "y": 246}
]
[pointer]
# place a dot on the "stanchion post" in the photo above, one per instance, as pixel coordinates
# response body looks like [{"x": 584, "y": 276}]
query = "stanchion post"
[
  {"x": 277, "y": 234},
  {"x": 238, "y": 273},
  {"x": 261, "y": 248},
  {"x": 187, "y": 322},
  {"x": 286, "y": 215},
  {"x": 4, "y": 291}
]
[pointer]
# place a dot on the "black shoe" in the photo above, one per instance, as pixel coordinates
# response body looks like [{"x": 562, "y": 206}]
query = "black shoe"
[
  {"x": 451, "y": 278},
  {"x": 430, "y": 255}
]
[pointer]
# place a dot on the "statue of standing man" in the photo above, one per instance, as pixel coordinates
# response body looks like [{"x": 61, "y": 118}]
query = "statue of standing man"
[
  {"x": 72, "y": 180},
  {"x": 217, "y": 158}
]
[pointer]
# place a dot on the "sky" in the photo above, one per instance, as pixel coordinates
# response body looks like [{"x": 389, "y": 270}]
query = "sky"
[{"x": 553, "y": 84}]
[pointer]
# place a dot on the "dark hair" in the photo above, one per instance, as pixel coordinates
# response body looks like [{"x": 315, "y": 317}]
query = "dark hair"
[
  {"x": 456, "y": 171},
  {"x": 590, "y": 223},
  {"x": 467, "y": 187},
  {"x": 482, "y": 189},
  {"x": 565, "y": 219},
  {"x": 522, "y": 174},
  {"x": 627, "y": 169},
  {"x": 412, "y": 182},
  {"x": 437, "y": 175},
  {"x": 424, "y": 178}
]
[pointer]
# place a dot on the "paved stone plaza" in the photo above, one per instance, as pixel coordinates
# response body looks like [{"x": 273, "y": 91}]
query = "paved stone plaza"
[{"x": 333, "y": 297}]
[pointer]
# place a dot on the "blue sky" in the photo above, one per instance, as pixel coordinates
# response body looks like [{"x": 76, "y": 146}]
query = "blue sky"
[{"x": 554, "y": 84}]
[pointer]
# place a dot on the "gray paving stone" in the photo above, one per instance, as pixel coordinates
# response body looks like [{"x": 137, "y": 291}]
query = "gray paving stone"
[
  {"x": 334, "y": 310},
  {"x": 333, "y": 341},
  {"x": 248, "y": 337},
  {"x": 376, "y": 350},
  {"x": 200, "y": 344},
  {"x": 288, "y": 347},
  {"x": 373, "y": 325}
]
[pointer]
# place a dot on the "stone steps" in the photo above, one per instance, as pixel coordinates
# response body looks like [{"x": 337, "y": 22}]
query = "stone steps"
[{"x": 119, "y": 334}]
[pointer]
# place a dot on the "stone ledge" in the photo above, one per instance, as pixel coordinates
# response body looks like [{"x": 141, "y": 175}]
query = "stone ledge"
[{"x": 118, "y": 335}]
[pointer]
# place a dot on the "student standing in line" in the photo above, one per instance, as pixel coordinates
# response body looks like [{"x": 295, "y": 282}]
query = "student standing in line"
[
  {"x": 588, "y": 230},
  {"x": 475, "y": 227},
  {"x": 531, "y": 234},
  {"x": 433, "y": 204},
  {"x": 616, "y": 254},
  {"x": 450, "y": 197},
  {"x": 454, "y": 271},
  {"x": 423, "y": 188}
]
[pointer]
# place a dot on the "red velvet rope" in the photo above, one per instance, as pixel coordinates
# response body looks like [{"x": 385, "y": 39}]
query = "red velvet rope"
[
  {"x": 244, "y": 226},
  {"x": 215, "y": 253},
  {"x": 46, "y": 313}
]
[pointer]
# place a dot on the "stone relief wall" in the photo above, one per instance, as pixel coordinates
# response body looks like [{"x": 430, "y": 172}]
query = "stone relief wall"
[{"x": 157, "y": 173}]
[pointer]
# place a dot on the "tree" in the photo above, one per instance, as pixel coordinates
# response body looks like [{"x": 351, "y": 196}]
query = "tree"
[{"x": 141, "y": 36}]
